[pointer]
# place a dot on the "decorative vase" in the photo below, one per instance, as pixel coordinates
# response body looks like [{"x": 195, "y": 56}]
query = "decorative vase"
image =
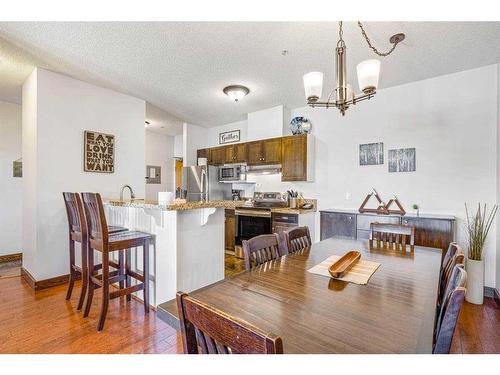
[
  {"x": 475, "y": 281},
  {"x": 300, "y": 125}
]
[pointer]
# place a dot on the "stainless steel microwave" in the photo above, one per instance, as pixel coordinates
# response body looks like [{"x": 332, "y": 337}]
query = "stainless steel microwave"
[{"x": 232, "y": 173}]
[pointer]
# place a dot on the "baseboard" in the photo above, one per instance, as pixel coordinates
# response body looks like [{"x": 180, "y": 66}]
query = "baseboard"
[
  {"x": 7, "y": 258},
  {"x": 497, "y": 297},
  {"x": 43, "y": 284}
]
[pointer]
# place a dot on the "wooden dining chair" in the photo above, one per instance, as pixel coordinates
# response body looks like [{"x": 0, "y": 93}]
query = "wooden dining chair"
[
  {"x": 101, "y": 241},
  {"x": 391, "y": 236},
  {"x": 77, "y": 232},
  {"x": 453, "y": 247},
  {"x": 262, "y": 249},
  {"x": 206, "y": 330},
  {"x": 297, "y": 239},
  {"x": 457, "y": 259}
]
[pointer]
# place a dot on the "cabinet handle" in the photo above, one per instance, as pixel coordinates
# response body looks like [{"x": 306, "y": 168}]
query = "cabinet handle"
[{"x": 350, "y": 217}]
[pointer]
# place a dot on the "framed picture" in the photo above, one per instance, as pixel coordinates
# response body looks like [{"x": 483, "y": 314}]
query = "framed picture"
[
  {"x": 371, "y": 154},
  {"x": 98, "y": 152},
  {"x": 402, "y": 160},
  {"x": 229, "y": 137}
]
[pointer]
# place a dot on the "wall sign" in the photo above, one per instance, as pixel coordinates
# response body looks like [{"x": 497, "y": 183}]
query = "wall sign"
[
  {"x": 229, "y": 137},
  {"x": 99, "y": 152}
]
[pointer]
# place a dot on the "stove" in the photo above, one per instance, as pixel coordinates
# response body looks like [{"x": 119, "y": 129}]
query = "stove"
[{"x": 270, "y": 199}]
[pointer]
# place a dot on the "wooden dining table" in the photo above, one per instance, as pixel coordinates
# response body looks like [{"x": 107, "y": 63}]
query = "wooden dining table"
[{"x": 393, "y": 313}]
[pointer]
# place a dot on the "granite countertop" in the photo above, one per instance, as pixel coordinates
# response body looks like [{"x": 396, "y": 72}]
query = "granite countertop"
[
  {"x": 227, "y": 204},
  {"x": 408, "y": 214}
]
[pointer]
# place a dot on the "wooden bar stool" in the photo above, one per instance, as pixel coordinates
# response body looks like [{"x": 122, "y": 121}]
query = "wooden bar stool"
[
  {"x": 100, "y": 240},
  {"x": 77, "y": 232}
]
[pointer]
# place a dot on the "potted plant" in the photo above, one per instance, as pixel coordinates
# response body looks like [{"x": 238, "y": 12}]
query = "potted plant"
[
  {"x": 415, "y": 207},
  {"x": 478, "y": 226}
]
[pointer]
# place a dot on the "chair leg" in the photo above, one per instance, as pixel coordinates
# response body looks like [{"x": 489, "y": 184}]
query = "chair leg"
[
  {"x": 121, "y": 262},
  {"x": 105, "y": 290},
  {"x": 91, "y": 286},
  {"x": 127, "y": 269},
  {"x": 145, "y": 263},
  {"x": 85, "y": 275},
  {"x": 72, "y": 272}
]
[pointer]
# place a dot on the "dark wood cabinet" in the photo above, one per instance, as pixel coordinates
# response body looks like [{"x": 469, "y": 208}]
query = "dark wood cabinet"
[
  {"x": 294, "y": 158},
  {"x": 255, "y": 153},
  {"x": 337, "y": 225},
  {"x": 236, "y": 153},
  {"x": 430, "y": 231},
  {"x": 229, "y": 230},
  {"x": 264, "y": 152},
  {"x": 217, "y": 156},
  {"x": 203, "y": 153}
]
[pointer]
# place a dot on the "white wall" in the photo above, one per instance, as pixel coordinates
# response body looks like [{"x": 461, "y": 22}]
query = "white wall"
[
  {"x": 160, "y": 152},
  {"x": 194, "y": 138},
  {"x": 267, "y": 123},
  {"x": 56, "y": 111},
  {"x": 10, "y": 187},
  {"x": 451, "y": 121},
  {"x": 213, "y": 133},
  {"x": 498, "y": 179}
]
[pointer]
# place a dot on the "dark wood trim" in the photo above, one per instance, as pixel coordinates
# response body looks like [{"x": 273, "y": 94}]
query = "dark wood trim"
[
  {"x": 43, "y": 284},
  {"x": 11, "y": 257},
  {"x": 496, "y": 296}
]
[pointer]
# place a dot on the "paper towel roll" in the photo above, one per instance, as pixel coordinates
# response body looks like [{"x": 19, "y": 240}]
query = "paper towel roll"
[{"x": 165, "y": 197}]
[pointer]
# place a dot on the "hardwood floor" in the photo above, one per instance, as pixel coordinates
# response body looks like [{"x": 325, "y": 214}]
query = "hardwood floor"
[
  {"x": 233, "y": 265},
  {"x": 43, "y": 322}
]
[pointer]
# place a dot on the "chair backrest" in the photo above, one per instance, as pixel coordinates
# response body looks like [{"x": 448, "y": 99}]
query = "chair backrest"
[
  {"x": 457, "y": 259},
  {"x": 297, "y": 239},
  {"x": 444, "y": 335},
  {"x": 453, "y": 247},
  {"x": 458, "y": 279},
  {"x": 75, "y": 213},
  {"x": 96, "y": 219},
  {"x": 206, "y": 330},
  {"x": 392, "y": 236},
  {"x": 262, "y": 249}
]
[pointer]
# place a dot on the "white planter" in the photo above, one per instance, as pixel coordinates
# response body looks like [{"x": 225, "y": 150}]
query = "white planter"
[{"x": 475, "y": 281}]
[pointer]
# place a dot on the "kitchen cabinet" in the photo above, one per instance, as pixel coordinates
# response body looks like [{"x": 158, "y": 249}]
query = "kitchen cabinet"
[
  {"x": 296, "y": 158},
  {"x": 217, "y": 155},
  {"x": 265, "y": 152},
  {"x": 282, "y": 222},
  {"x": 203, "y": 153},
  {"x": 335, "y": 224},
  {"x": 229, "y": 230},
  {"x": 431, "y": 231},
  {"x": 236, "y": 153}
]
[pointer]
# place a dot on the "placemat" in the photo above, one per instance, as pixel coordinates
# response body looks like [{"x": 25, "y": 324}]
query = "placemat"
[{"x": 360, "y": 273}]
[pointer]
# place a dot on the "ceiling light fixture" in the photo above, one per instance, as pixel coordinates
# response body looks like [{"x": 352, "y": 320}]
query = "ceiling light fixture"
[
  {"x": 236, "y": 92},
  {"x": 368, "y": 74}
]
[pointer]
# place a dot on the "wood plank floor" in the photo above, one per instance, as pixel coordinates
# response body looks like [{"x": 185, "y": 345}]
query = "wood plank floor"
[{"x": 43, "y": 322}]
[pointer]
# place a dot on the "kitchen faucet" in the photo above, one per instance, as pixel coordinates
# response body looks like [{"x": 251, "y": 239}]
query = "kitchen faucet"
[{"x": 132, "y": 195}]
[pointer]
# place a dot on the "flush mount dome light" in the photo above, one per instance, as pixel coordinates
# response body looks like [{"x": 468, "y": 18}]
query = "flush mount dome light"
[{"x": 236, "y": 92}]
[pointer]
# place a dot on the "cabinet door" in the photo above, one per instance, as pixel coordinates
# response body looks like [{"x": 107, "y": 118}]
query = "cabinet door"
[
  {"x": 229, "y": 230},
  {"x": 271, "y": 150},
  {"x": 240, "y": 152},
  {"x": 217, "y": 156},
  {"x": 432, "y": 232},
  {"x": 337, "y": 225},
  {"x": 229, "y": 156},
  {"x": 294, "y": 158},
  {"x": 202, "y": 153},
  {"x": 255, "y": 153}
]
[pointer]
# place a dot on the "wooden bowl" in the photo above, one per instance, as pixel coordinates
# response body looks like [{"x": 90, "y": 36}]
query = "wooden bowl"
[{"x": 344, "y": 264}]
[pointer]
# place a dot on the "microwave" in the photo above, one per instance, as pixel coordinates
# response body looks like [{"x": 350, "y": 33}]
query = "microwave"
[{"x": 233, "y": 173}]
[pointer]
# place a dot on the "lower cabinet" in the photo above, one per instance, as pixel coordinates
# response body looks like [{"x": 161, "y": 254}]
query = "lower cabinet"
[
  {"x": 229, "y": 230},
  {"x": 429, "y": 231}
]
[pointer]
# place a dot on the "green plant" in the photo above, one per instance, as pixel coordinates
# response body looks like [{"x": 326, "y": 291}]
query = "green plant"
[
  {"x": 478, "y": 226},
  {"x": 415, "y": 206}
]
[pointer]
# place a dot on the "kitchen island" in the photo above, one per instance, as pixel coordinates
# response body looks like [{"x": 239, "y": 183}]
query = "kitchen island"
[{"x": 188, "y": 251}]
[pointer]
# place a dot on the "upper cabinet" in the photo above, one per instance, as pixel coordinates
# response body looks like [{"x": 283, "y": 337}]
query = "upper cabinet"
[{"x": 295, "y": 154}]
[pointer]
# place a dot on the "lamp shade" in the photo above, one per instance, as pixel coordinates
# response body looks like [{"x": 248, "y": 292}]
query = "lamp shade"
[
  {"x": 313, "y": 85},
  {"x": 236, "y": 92},
  {"x": 368, "y": 73}
]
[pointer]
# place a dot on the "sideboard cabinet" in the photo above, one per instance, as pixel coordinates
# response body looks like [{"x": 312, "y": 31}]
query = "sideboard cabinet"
[{"x": 430, "y": 230}]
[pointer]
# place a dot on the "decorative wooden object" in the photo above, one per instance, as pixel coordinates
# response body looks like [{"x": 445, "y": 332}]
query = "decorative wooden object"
[
  {"x": 380, "y": 210},
  {"x": 401, "y": 211},
  {"x": 99, "y": 152},
  {"x": 344, "y": 264}
]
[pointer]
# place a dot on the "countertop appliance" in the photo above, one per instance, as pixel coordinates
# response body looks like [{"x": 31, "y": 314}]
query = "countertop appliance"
[
  {"x": 233, "y": 173},
  {"x": 255, "y": 220},
  {"x": 200, "y": 183}
]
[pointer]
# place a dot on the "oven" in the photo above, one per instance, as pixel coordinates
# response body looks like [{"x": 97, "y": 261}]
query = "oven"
[
  {"x": 251, "y": 222},
  {"x": 232, "y": 173}
]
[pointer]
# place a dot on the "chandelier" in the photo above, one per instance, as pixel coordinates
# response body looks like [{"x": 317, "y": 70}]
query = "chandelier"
[{"x": 368, "y": 74}]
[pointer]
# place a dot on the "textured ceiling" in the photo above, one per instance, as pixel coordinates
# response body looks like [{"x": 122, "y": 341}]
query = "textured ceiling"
[{"x": 181, "y": 67}]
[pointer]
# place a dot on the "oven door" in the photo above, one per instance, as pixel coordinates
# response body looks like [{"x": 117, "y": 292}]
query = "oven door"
[{"x": 251, "y": 223}]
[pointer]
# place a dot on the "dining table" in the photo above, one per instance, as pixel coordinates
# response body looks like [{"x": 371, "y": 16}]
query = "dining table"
[{"x": 393, "y": 313}]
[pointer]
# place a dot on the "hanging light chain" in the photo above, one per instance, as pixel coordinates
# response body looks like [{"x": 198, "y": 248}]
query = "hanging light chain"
[{"x": 383, "y": 54}]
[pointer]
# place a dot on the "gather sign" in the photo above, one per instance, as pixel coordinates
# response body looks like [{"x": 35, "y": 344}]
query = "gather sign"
[{"x": 99, "y": 152}]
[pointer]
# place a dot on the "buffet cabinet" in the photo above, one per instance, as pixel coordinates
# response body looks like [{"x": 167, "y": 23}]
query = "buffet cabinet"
[{"x": 430, "y": 230}]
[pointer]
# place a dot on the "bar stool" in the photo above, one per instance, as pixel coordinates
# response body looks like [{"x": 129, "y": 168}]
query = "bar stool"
[
  {"x": 100, "y": 240},
  {"x": 77, "y": 232}
]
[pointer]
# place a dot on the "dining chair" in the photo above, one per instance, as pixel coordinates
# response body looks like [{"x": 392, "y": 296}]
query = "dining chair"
[
  {"x": 391, "y": 236},
  {"x": 453, "y": 247},
  {"x": 457, "y": 259},
  {"x": 100, "y": 240},
  {"x": 206, "y": 330},
  {"x": 447, "y": 328},
  {"x": 297, "y": 239},
  {"x": 77, "y": 232},
  {"x": 262, "y": 249}
]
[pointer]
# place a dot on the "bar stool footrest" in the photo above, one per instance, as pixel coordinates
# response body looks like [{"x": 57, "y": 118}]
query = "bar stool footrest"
[{"x": 126, "y": 291}]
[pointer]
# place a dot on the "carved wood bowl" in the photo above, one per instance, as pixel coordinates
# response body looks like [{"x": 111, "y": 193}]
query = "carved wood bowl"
[{"x": 344, "y": 264}]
